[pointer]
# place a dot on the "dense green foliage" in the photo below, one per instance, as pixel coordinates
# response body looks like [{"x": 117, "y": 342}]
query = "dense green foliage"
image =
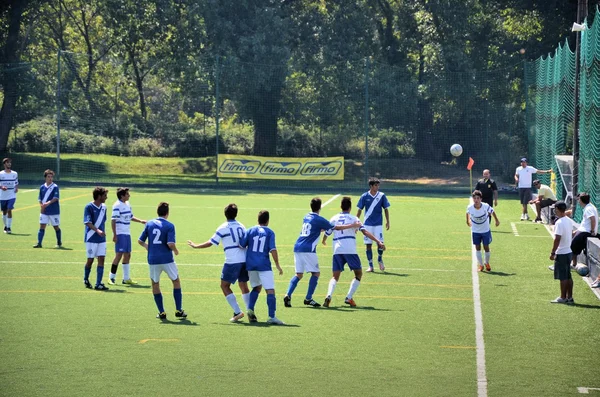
[{"x": 154, "y": 74}]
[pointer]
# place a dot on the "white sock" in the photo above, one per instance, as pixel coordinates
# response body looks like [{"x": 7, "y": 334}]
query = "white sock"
[
  {"x": 126, "y": 275},
  {"x": 487, "y": 257},
  {"x": 8, "y": 222},
  {"x": 233, "y": 303},
  {"x": 112, "y": 276},
  {"x": 479, "y": 258},
  {"x": 353, "y": 286},
  {"x": 331, "y": 288},
  {"x": 246, "y": 298}
]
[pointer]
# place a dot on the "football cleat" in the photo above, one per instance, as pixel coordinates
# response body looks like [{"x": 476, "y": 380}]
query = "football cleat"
[
  {"x": 311, "y": 302},
  {"x": 129, "y": 282},
  {"x": 370, "y": 270},
  {"x": 5, "y": 229},
  {"x": 559, "y": 300},
  {"x": 8, "y": 230},
  {"x": 327, "y": 301},
  {"x": 570, "y": 301},
  {"x": 479, "y": 268},
  {"x": 350, "y": 302},
  {"x": 101, "y": 287},
  {"x": 58, "y": 245},
  {"x": 38, "y": 245},
  {"x": 381, "y": 266},
  {"x": 275, "y": 321},
  {"x": 181, "y": 313},
  {"x": 251, "y": 316},
  {"x": 596, "y": 284},
  {"x": 111, "y": 281},
  {"x": 551, "y": 268},
  {"x": 162, "y": 315},
  {"x": 287, "y": 301},
  {"x": 87, "y": 284},
  {"x": 236, "y": 317},
  {"x": 488, "y": 267}
]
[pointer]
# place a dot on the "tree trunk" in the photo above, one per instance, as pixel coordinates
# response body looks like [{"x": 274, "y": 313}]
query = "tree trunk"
[
  {"x": 10, "y": 81},
  {"x": 264, "y": 114},
  {"x": 139, "y": 83}
]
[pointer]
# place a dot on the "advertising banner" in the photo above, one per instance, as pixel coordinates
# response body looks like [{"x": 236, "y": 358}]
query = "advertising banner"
[{"x": 301, "y": 168}]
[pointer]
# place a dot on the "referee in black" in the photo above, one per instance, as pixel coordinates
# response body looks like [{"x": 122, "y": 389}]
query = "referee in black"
[{"x": 489, "y": 190}]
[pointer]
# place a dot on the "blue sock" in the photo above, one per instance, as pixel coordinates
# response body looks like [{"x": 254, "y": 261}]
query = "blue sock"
[
  {"x": 99, "y": 273},
  {"x": 253, "y": 299},
  {"x": 370, "y": 257},
  {"x": 271, "y": 304},
  {"x": 86, "y": 272},
  {"x": 41, "y": 235},
  {"x": 178, "y": 297},
  {"x": 159, "y": 302},
  {"x": 379, "y": 254},
  {"x": 312, "y": 286},
  {"x": 58, "y": 237},
  {"x": 293, "y": 284}
]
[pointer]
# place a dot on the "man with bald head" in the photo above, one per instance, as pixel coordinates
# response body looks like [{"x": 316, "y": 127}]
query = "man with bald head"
[{"x": 489, "y": 190}]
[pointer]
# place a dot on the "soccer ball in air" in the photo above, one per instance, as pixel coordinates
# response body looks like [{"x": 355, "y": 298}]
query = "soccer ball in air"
[
  {"x": 456, "y": 150},
  {"x": 582, "y": 269}
]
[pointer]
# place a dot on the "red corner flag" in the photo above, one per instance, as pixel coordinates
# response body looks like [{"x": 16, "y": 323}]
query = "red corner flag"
[{"x": 470, "y": 165}]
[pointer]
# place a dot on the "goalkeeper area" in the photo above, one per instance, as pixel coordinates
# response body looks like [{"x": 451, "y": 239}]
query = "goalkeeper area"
[{"x": 415, "y": 330}]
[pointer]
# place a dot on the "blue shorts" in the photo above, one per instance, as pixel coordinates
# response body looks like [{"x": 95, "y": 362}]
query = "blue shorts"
[
  {"x": 123, "y": 243},
  {"x": 6, "y": 205},
  {"x": 233, "y": 272},
  {"x": 339, "y": 260},
  {"x": 486, "y": 238}
]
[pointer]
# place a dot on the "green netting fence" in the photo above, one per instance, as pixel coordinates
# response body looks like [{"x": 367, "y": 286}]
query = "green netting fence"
[{"x": 550, "y": 85}]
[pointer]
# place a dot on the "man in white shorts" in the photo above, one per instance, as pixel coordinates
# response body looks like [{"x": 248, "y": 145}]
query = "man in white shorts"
[
  {"x": 161, "y": 247},
  {"x": 94, "y": 218},
  {"x": 374, "y": 203},
  {"x": 49, "y": 209}
]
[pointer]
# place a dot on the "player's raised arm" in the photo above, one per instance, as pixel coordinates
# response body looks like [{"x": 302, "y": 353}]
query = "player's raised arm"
[{"x": 205, "y": 244}]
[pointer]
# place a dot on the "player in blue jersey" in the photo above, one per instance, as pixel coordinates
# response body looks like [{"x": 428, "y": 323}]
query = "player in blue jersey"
[
  {"x": 305, "y": 252},
  {"x": 374, "y": 203},
  {"x": 122, "y": 216},
  {"x": 94, "y": 217},
  {"x": 344, "y": 251},
  {"x": 161, "y": 247},
  {"x": 260, "y": 242},
  {"x": 234, "y": 269},
  {"x": 49, "y": 209},
  {"x": 9, "y": 187}
]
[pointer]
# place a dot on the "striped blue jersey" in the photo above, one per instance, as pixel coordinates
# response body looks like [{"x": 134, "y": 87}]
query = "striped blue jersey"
[
  {"x": 48, "y": 193},
  {"x": 480, "y": 217},
  {"x": 11, "y": 181},
  {"x": 97, "y": 217},
  {"x": 312, "y": 225},
  {"x": 122, "y": 214},
  {"x": 373, "y": 206},
  {"x": 344, "y": 241},
  {"x": 260, "y": 241},
  {"x": 230, "y": 233},
  {"x": 159, "y": 233}
]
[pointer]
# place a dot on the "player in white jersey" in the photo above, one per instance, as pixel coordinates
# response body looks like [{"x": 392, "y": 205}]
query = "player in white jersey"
[
  {"x": 234, "y": 269},
  {"x": 344, "y": 251},
  {"x": 478, "y": 219},
  {"x": 561, "y": 253},
  {"x": 121, "y": 218},
  {"x": 9, "y": 186}
]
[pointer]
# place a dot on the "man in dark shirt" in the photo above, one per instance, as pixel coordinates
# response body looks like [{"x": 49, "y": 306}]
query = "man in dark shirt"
[{"x": 488, "y": 189}]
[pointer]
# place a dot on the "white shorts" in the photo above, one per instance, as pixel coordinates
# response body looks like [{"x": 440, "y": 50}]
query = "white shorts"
[
  {"x": 54, "y": 220},
  {"x": 95, "y": 250},
  {"x": 306, "y": 262},
  {"x": 265, "y": 278},
  {"x": 169, "y": 268},
  {"x": 376, "y": 231}
]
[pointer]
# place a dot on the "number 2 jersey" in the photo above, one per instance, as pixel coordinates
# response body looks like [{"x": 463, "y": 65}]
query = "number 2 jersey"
[
  {"x": 312, "y": 225},
  {"x": 159, "y": 232}
]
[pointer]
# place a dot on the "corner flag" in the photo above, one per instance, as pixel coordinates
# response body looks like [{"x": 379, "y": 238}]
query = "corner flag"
[{"x": 470, "y": 165}]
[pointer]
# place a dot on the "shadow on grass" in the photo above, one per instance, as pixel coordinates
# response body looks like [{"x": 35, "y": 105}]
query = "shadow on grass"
[
  {"x": 135, "y": 286},
  {"x": 386, "y": 273},
  {"x": 259, "y": 324},
  {"x": 179, "y": 322},
  {"x": 19, "y": 234},
  {"x": 501, "y": 274},
  {"x": 585, "y": 306},
  {"x": 112, "y": 291},
  {"x": 61, "y": 248},
  {"x": 356, "y": 308}
]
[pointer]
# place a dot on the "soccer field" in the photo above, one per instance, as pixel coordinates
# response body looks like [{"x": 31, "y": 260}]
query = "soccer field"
[{"x": 413, "y": 332}]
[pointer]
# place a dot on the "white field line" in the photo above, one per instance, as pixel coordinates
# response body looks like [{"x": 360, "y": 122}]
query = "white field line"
[
  {"x": 330, "y": 200},
  {"x": 482, "y": 382},
  {"x": 514, "y": 229}
]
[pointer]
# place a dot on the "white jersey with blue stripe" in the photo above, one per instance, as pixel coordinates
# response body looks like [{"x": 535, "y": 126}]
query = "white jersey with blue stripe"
[
  {"x": 260, "y": 241},
  {"x": 344, "y": 241},
  {"x": 373, "y": 206},
  {"x": 122, "y": 214},
  {"x": 11, "y": 181},
  {"x": 480, "y": 218},
  {"x": 312, "y": 225},
  {"x": 231, "y": 233},
  {"x": 48, "y": 193},
  {"x": 97, "y": 217}
]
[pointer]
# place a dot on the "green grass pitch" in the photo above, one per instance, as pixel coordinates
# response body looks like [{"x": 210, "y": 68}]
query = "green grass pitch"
[{"x": 412, "y": 334}]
